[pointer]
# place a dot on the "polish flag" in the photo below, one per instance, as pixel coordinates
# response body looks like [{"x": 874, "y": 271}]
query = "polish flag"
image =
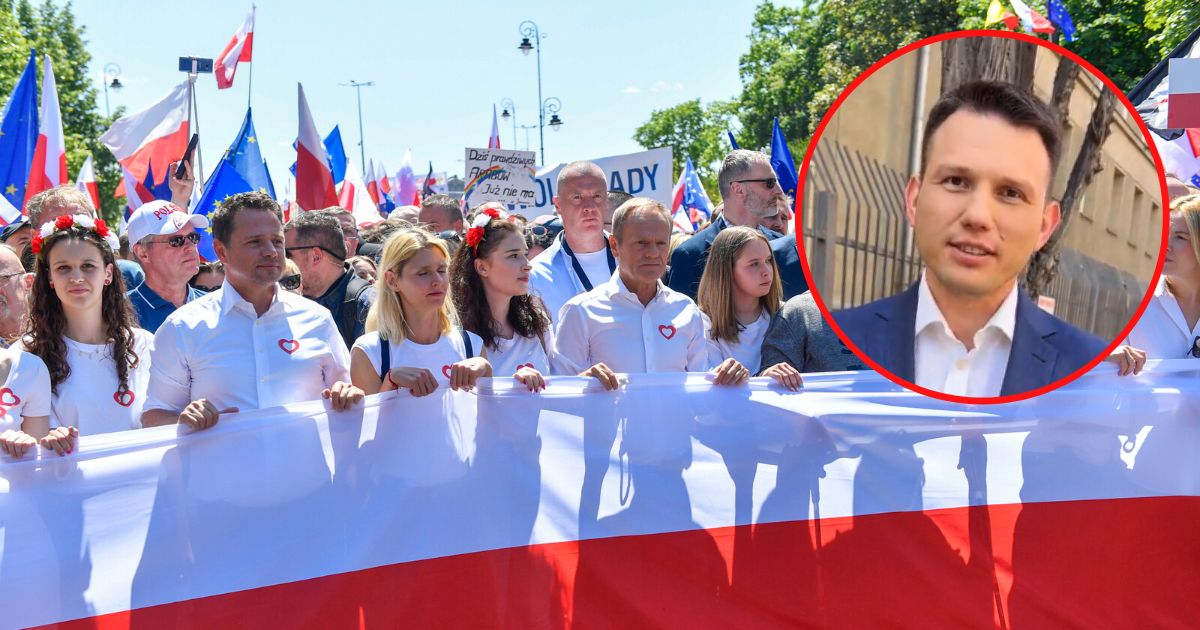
[
  {"x": 372, "y": 182},
  {"x": 8, "y": 212},
  {"x": 314, "y": 180},
  {"x": 136, "y": 195},
  {"x": 86, "y": 182},
  {"x": 385, "y": 184},
  {"x": 355, "y": 197},
  {"x": 679, "y": 214},
  {"x": 238, "y": 49},
  {"x": 153, "y": 137},
  {"x": 1183, "y": 96},
  {"x": 49, "y": 167},
  {"x": 494, "y": 139},
  {"x": 1033, "y": 21}
]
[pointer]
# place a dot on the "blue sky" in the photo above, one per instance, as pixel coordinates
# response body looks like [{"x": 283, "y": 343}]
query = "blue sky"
[{"x": 438, "y": 67}]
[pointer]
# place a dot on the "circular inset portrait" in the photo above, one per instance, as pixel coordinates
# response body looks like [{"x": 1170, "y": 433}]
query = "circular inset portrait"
[{"x": 982, "y": 216}]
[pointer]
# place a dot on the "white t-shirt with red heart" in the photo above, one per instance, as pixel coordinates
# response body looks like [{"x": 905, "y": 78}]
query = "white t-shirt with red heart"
[
  {"x": 511, "y": 354},
  {"x": 26, "y": 391},
  {"x": 435, "y": 357},
  {"x": 89, "y": 401}
]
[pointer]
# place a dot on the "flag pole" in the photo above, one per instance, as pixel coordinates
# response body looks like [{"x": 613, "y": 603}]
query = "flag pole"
[{"x": 250, "y": 78}]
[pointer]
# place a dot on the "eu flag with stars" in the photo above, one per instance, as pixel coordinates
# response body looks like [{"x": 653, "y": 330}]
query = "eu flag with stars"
[
  {"x": 19, "y": 135},
  {"x": 782, "y": 163},
  {"x": 240, "y": 170},
  {"x": 1061, "y": 17}
]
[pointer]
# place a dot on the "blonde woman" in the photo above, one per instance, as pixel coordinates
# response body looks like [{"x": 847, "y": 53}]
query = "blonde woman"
[
  {"x": 413, "y": 340},
  {"x": 739, "y": 292}
]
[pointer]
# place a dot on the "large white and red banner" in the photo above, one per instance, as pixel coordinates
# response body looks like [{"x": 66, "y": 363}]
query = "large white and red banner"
[{"x": 667, "y": 503}]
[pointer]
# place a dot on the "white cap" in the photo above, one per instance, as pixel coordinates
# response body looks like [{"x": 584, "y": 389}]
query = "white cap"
[{"x": 161, "y": 218}]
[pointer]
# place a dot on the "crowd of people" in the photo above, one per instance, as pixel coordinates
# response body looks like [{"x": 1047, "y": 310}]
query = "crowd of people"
[{"x": 108, "y": 332}]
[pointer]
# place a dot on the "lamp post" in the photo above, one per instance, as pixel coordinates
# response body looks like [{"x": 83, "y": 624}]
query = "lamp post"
[
  {"x": 510, "y": 111},
  {"x": 551, "y": 107},
  {"x": 362, "y": 151},
  {"x": 529, "y": 29},
  {"x": 111, "y": 70},
  {"x": 526, "y": 128}
]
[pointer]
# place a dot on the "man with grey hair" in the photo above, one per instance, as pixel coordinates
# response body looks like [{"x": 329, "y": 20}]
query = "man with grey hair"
[
  {"x": 354, "y": 245},
  {"x": 164, "y": 238},
  {"x": 749, "y": 192},
  {"x": 48, "y": 205},
  {"x": 441, "y": 213},
  {"x": 14, "y": 296},
  {"x": 315, "y": 242},
  {"x": 580, "y": 259}
]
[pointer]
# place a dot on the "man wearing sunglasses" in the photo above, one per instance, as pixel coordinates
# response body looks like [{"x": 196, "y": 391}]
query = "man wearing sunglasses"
[
  {"x": 315, "y": 242},
  {"x": 750, "y": 192},
  {"x": 163, "y": 237}
]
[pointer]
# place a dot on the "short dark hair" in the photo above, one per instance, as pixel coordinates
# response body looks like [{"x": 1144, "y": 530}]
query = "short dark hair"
[
  {"x": 445, "y": 202},
  {"x": 616, "y": 198},
  {"x": 319, "y": 227},
  {"x": 222, "y": 218},
  {"x": 1016, "y": 106}
]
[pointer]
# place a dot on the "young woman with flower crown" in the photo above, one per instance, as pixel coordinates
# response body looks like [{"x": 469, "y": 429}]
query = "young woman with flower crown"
[
  {"x": 81, "y": 326},
  {"x": 489, "y": 283}
]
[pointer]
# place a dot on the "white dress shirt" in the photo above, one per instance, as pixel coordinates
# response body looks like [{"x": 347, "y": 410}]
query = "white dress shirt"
[
  {"x": 609, "y": 325},
  {"x": 747, "y": 349},
  {"x": 219, "y": 349},
  {"x": 1162, "y": 331},
  {"x": 555, "y": 279},
  {"x": 944, "y": 364}
]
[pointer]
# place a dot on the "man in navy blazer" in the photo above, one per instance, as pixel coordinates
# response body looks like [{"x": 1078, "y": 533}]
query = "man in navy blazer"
[
  {"x": 787, "y": 258},
  {"x": 980, "y": 207},
  {"x": 749, "y": 192}
]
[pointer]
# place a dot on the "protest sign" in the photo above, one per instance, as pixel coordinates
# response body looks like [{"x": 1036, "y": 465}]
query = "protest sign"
[
  {"x": 500, "y": 175},
  {"x": 642, "y": 174}
]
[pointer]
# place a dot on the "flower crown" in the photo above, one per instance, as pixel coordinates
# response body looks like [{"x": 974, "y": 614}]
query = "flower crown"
[
  {"x": 486, "y": 216},
  {"x": 67, "y": 222}
]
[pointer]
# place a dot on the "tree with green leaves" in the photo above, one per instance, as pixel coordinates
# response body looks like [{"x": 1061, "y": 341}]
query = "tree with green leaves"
[{"x": 692, "y": 131}]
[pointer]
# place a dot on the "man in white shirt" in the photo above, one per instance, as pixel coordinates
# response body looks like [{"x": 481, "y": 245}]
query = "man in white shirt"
[
  {"x": 980, "y": 207},
  {"x": 248, "y": 345},
  {"x": 634, "y": 323},
  {"x": 580, "y": 259}
]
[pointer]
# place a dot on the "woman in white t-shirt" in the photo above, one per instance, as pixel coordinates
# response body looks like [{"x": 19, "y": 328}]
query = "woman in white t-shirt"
[
  {"x": 412, "y": 339},
  {"x": 739, "y": 292},
  {"x": 25, "y": 404},
  {"x": 489, "y": 281},
  {"x": 82, "y": 328}
]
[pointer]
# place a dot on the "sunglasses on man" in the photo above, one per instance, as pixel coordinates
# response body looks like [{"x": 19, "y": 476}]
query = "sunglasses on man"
[
  {"x": 768, "y": 181},
  {"x": 177, "y": 241},
  {"x": 1196, "y": 347},
  {"x": 288, "y": 251}
]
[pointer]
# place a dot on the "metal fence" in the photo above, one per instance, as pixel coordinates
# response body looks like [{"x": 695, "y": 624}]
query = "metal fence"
[{"x": 860, "y": 247}]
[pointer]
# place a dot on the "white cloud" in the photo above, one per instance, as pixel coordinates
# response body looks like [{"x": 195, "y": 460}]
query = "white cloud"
[
  {"x": 631, "y": 90},
  {"x": 663, "y": 86}
]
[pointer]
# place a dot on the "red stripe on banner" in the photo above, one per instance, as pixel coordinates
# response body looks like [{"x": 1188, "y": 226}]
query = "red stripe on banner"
[
  {"x": 1183, "y": 110},
  {"x": 314, "y": 182},
  {"x": 1110, "y": 563}
]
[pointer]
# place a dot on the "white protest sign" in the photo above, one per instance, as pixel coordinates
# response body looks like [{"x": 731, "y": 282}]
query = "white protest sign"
[
  {"x": 642, "y": 174},
  {"x": 499, "y": 175}
]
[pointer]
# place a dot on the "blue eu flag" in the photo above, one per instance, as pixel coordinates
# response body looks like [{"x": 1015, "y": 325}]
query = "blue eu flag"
[
  {"x": 782, "y": 163},
  {"x": 19, "y": 134},
  {"x": 1061, "y": 17},
  {"x": 240, "y": 170}
]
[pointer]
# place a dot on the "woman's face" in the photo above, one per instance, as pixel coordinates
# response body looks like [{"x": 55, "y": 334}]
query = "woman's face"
[
  {"x": 78, "y": 274},
  {"x": 752, "y": 271},
  {"x": 506, "y": 268},
  {"x": 364, "y": 270},
  {"x": 210, "y": 280},
  {"x": 1180, "y": 261},
  {"x": 422, "y": 283}
]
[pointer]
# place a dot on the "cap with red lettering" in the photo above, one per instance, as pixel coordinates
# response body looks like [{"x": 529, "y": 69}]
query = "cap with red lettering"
[{"x": 161, "y": 218}]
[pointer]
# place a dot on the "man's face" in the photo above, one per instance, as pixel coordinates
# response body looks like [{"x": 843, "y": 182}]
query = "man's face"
[
  {"x": 349, "y": 233},
  {"x": 19, "y": 240},
  {"x": 306, "y": 257},
  {"x": 981, "y": 208},
  {"x": 14, "y": 291},
  {"x": 254, "y": 254},
  {"x": 437, "y": 218},
  {"x": 581, "y": 202},
  {"x": 178, "y": 264},
  {"x": 757, "y": 197},
  {"x": 643, "y": 246},
  {"x": 52, "y": 211},
  {"x": 777, "y": 222}
]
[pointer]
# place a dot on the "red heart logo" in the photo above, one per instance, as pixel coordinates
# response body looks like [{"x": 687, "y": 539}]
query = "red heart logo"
[
  {"x": 446, "y": 370},
  {"x": 8, "y": 398},
  {"x": 3, "y": 412},
  {"x": 666, "y": 331},
  {"x": 124, "y": 398},
  {"x": 528, "y": 365},
  {"x": 289, "y": 345}
]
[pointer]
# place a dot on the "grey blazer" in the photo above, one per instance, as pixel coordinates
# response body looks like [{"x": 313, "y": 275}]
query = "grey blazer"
[{"x": 799, "y": 335}]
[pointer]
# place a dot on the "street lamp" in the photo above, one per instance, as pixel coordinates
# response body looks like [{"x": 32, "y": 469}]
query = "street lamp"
[
  {"x": 362, "y": 151},
  {"x": 111, "y": 70},
  {"x": 510, "y": 111},
  {"x": 552, "y": 106},
  {"x": 529, "y": 29}
]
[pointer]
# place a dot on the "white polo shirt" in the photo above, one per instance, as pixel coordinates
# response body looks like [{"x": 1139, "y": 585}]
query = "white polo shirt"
[
  {"x": 219, "y": 349},
  {"x": 1162, "y": 330},
  {"x": 943, "y": 363},
  {"x": 609, "y": 325}
]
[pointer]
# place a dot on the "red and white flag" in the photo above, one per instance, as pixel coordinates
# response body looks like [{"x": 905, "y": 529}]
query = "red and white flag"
[
  {"x": 49, "y": 167},
  {"x": 385, "y": 183},
  {"x": 86, "y": 182},
  {"x": 152, "y": 137},
  {"x": 494, "y": 139},
  {"x": 8, "y": 212},
  {"x": 1183, "y": 97},
  {"x": 1033, "y": 21},
  {"x": 372, "y": 182},
  {"x": 679, "y": 213},
  {"x": 314, "y": 181},
  {"x": 136, "y": 195},
  {"x": 237, "y": 50},
  {"x": 355, "y": 197}
]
